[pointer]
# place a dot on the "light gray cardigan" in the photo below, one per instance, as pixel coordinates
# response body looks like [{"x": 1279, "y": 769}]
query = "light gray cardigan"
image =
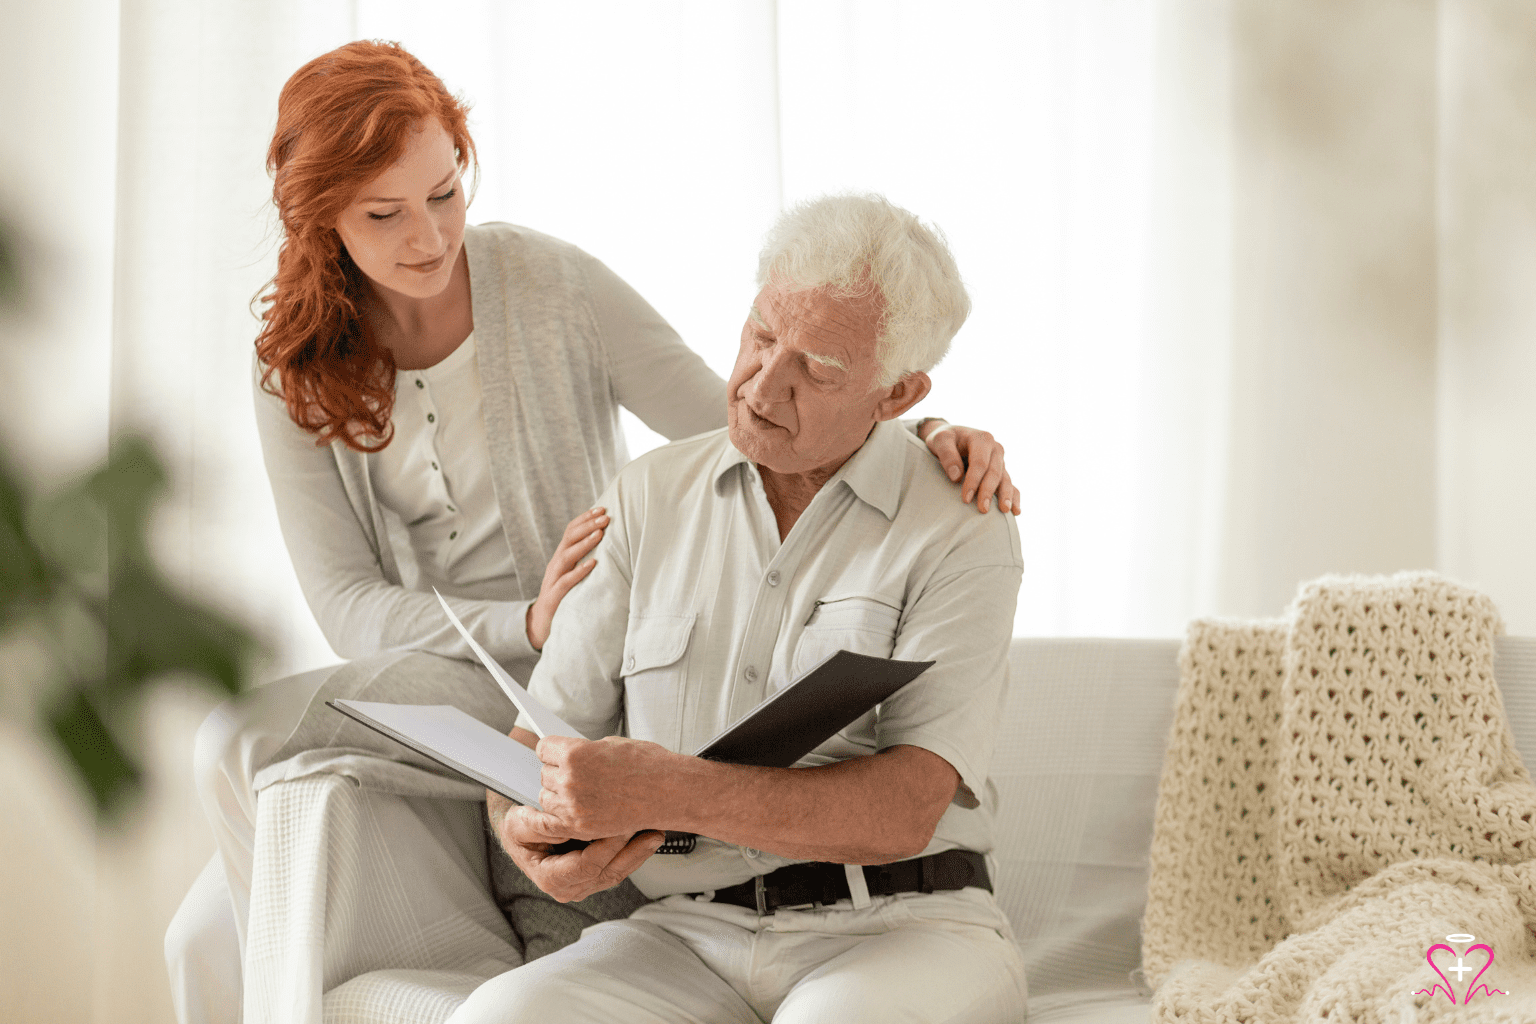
[{"x": 561, "y": 343}]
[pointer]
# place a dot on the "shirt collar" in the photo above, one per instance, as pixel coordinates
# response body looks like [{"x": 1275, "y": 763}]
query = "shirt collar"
[{"x": 873, "y": 473}]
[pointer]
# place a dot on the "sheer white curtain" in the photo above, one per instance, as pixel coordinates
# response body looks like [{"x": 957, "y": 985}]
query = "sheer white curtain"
[
  {"x": 1487, "y": 303},
  {"x": 664, "y": 138},
  {"x": 1024, "y": 130}
]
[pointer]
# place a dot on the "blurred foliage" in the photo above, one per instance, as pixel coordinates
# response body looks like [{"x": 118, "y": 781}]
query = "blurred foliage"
[
  {"x": 10, "y": 272},
  {"x": 79, "y": 585}
]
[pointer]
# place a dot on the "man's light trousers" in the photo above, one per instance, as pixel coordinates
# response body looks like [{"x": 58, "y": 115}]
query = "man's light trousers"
[{"x": 946, "y": 956}]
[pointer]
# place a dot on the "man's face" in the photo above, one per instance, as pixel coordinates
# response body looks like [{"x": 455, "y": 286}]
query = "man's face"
[{"x": 802, "y": 397}]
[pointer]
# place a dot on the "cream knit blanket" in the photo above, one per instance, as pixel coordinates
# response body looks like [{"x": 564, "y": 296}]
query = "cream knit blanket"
[{"x": 1341, "y": 792}]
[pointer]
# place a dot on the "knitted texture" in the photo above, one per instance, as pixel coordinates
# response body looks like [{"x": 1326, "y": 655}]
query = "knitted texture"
[{"x": 1341, "y": 791}]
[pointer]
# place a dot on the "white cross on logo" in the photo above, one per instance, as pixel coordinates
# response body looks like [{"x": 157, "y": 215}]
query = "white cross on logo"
[{"x": 1461, "y": 968}]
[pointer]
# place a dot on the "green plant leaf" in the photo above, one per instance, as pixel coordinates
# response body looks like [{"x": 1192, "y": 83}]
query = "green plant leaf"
[
  {"x": 109, "y": 774},
  {"x": 126, "y": 489},
  {"x": 10, "y": 270},
  {"x": 70, "y": 528},
  {"x": 25, "y": 579},
  {"x": 127, "y": 627},
  {"x": 152, "y": 631}
]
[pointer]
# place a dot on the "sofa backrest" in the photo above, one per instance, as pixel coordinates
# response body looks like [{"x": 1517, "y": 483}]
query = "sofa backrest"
[{"x": 1079, "y": 754}]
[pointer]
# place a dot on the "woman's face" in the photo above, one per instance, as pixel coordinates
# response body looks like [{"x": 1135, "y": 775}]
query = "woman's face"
[{"x": 405, "y": 228}]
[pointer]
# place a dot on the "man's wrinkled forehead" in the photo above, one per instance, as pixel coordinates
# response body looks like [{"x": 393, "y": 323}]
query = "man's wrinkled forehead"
[{"x": 822, "y": 312}]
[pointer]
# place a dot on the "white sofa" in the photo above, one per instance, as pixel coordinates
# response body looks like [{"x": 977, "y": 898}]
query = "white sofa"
[
  {"x": 1079, "y": 755},
  {"x": 1078, "y": 761}
]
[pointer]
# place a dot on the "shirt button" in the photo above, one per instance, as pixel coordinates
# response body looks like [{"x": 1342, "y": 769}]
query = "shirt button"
[
  {"x": 751, "y": 673},
  {"x": 431, "y": 418},
  {"x": 434, "y": 465},
  {"x": 754, "y": 854},
  {"x": 453, "y": 535},
  {"x": 773, "y": 578},
  {"x": 629, "y": 663},
  {"x": 419, "y": 383},
  {"x": 452, "y": 509}
]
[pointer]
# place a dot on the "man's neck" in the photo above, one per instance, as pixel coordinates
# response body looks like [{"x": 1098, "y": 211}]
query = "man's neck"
[{"x": 790, "y": 494}]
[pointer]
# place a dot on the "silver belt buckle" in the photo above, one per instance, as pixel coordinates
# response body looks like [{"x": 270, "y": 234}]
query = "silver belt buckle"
[{"x": 762, "y": 896}]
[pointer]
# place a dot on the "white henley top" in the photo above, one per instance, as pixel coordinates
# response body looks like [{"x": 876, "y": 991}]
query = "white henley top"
[{"x": 436, "y": 477}]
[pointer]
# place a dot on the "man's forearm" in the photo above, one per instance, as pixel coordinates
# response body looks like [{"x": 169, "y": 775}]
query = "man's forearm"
[{"x": 865, "y": 810}]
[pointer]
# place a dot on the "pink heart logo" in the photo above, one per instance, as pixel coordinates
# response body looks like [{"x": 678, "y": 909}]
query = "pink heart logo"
[{"x": 1429, "y": 956}]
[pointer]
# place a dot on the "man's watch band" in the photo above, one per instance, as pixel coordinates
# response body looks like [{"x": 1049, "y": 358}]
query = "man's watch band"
[{"x": 676, "y": 842}]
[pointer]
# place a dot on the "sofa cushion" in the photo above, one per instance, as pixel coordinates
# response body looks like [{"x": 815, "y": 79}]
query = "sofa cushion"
[{"x": 1079, "y": 753}]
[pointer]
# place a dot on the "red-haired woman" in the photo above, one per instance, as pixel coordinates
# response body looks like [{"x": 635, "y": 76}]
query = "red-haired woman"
[{"x": 438, "y": 408}]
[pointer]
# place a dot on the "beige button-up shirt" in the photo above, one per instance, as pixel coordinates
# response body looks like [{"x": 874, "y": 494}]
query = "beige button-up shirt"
[{"x": 695, "y": 613}]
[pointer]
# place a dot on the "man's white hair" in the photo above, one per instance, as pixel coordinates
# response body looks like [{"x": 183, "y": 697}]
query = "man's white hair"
[{"x": 859, "y": 245}]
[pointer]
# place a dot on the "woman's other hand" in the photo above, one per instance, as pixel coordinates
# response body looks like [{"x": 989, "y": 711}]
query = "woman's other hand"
[
  {"x": 978, "y": 457},
  {"x": 565, "y": 570}
]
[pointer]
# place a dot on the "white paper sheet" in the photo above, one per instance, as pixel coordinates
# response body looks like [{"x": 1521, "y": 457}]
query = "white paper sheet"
[
  {"x": 452, "y": 738},
  {"x": 544, "y": 721}
]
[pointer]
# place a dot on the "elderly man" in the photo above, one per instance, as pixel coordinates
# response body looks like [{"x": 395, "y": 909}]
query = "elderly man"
[{"x": 735, "y": 561}]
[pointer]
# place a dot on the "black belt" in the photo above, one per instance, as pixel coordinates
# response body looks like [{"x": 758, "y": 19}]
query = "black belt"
[{"x": 825, "y": 884}]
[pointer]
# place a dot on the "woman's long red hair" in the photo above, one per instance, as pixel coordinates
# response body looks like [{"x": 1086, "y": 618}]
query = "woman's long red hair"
[{"x": 342, "y": 119}]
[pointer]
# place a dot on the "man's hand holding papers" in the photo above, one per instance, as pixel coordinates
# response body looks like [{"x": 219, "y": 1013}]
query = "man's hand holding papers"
[{"x": 530, "y": 836}]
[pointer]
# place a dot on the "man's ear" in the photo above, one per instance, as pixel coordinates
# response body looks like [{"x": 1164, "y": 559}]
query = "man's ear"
[{"x": 905, "y": 393}]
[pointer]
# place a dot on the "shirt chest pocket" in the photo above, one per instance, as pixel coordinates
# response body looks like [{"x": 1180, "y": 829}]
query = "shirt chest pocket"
[
  {"x": 861, "y": 623},
  {"x": 654, "y": 668}
]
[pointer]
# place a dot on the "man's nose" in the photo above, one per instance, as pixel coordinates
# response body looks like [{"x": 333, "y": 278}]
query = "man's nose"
[{"x": 772, "y": 382}]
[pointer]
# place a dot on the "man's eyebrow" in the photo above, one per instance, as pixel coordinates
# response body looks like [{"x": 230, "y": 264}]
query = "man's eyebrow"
[
  {"x": 757, "y": 318},
  {"x": 446, "y": 178},
  {"x": 828, "y": 361}
]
